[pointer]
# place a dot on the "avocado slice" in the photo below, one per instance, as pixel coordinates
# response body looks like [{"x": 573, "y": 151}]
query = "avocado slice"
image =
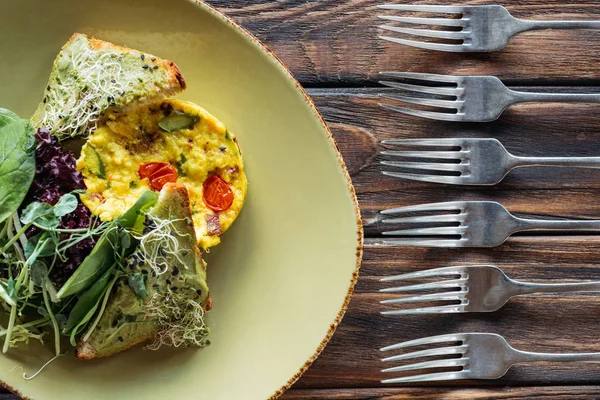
[{"x": 144, "y": 304}]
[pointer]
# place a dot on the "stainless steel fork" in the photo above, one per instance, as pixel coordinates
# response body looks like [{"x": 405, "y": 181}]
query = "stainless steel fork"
[
  {"x": 478, "y": 288},
  {"x": 482, "y": 28},
  {"x": 467, "y": 98},
  {"x": 478, "y": 355},
  {"x": 470, "y": 161},
  {"x": 474, "y": 224}
]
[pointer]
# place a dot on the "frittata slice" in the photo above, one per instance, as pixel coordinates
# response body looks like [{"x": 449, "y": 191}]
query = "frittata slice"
[
  {"x": 165, "y": 294},
  {"x": 92, "y": 78}
]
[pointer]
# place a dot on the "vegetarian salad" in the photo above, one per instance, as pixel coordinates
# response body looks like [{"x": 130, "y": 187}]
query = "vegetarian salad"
[{"x": 103, "y": 252}]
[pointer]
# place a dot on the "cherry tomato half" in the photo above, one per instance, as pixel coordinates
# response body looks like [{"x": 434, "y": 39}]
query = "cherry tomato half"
[
  {"x": 217, "y": 194},
  {"x": 158, "y": 173}
]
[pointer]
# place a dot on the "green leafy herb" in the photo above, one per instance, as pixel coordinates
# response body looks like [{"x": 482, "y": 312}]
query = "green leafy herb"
[
  {"x": 17, "y": 162},
  {"x": 65, "y": 205},
  {"x": 40, "y": 213},
  {"x": 137, "y": 283}
]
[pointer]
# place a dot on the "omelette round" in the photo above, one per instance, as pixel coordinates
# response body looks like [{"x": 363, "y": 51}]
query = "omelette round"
[{"x": 179, "y": 133}]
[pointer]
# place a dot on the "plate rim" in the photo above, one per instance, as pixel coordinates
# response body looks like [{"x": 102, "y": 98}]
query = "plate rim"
[{"x": 342, "y": 165}]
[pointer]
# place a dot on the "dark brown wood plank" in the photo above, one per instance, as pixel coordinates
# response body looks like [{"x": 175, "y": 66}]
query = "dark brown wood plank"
[
  {"x": 506, "y": 393},
  {"x": 332, "y": 42}
]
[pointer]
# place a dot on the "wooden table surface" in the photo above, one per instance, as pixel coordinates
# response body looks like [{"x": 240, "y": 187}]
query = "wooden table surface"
[{"x": 331, "y": 46}]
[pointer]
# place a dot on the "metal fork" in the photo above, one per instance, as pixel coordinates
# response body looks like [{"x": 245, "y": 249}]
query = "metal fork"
[
  {"x": 482, "y": 28},
  {"x": 480, "y": 356},
  {"x": 467, "y": 98},
  {"x": 480, "y": 288},
  {"x": 476, "y": 161},
  {"x": 475, "y": 224}
]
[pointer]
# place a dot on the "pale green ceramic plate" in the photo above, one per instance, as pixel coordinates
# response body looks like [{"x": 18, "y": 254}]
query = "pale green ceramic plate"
[{"x": 282, "y": 278}]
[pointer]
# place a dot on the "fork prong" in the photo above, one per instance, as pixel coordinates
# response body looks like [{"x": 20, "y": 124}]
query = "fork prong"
[
  {"x": 410, "y": 242},
  {"x": 444, "y": 91},
  {"x": 421, "y": 76},
  {"x": 452, "y": 48},
  {"x": 426, "y": 142},
  {"x": 448, "y": 180},
  {"x": 425, "y": 114},
  {"x": 425, "y": 21},
  {"x": 448, "y": 218},
  {"x": 455, "y": 35},
  {"x": 439, "y": 351},
  {"x": 440, "y": 376},
  {"x": 449, "y": 309},
  {"x": 446, "y": 296},
  {"x": 443, "y": 206},
  {"x": 453, "y": 337},
  {"x": 457, "y": 362},
  {"x": 447, "y": 230},
  {"x": 428, "y": 273},
  {"x": 451, "y": 104},
  {"x": 442, "y": 155},
  {"x": 427, "y": 166},
  {"x": 423, "y": 8},
  {"x": 450, "y": 283}
]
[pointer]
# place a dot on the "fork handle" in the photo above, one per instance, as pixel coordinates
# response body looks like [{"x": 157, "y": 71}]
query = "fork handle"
[
  {"x": 529, "y": 357},
  {"x": 525, "y": 224},
  {"x": 530, "y": 25},
  {"x": 530, "y": 288},
  {"x": 521, "y": 97},
  {"x": 581, "y": 162}
]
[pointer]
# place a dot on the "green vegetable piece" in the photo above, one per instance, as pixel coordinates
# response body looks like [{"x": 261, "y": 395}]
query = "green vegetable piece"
[
  {"x": 86, "y": 306},
  {"x": 41, "y": 214},
  {"x": 102, "y": 256},
  {"x": 17, "y": 162},
  {"x": 46, "y": 248},
  {"x": 177, "y": 121},
  {"x": 94, "y": 162},
  {"x": 137, "y": 283},
  {"x": 65, "y": 205},
  {"x": 39, "y": 272}
]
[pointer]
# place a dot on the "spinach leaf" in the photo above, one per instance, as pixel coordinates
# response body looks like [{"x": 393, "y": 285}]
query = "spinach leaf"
[
  {"x": 65, "y": 205},
  {"x": 7, "y": 116},
  {"x": 88, "y": 302},
  {"x": 137, "y": 283},
  {"x": 103, "y": 255},
  {"x": 17, "y": 162}
]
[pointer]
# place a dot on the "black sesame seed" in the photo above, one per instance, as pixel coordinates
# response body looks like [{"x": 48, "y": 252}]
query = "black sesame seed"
[
  {"x": 113, "y": 80},
  {"x": 175, "y": 271},
  {"x": 174, "y": 288},
  {"x": 156, "y": 286},
  {"x": 222, "y": 148},
  {"x": 155, "y": 67},
  {"x": 145, "y": 271},
  {"x": 121, "y": 339},
  {"x": 48, "y": 88},
  {"x": 168, "y": 282},
  {"x": 153, "y": 59},
  {"x": 142, "y": 57},
  {"x": 199, "y": 292},
  {"x": 45, "y": 100},
  {"x": 145, "y": 66}
]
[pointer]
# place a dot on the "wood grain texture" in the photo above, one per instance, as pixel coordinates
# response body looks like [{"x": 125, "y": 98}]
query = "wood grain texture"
[{"x": 329, "y": 42}]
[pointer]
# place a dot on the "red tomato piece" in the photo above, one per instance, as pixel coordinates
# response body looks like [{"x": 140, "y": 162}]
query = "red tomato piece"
[
  {"x": 158, "y": 174},
  {"x": 217, "y": 194}
]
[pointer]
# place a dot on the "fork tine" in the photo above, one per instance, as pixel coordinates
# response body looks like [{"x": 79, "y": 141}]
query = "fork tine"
[
  {"x": 426, "y": 142},
  {"x": 444, "y": 91},
  {"x": 440, "y": 376},
  {"x": 425, "y": 114},
  {"x": 446, "y": 296},
  {"x": 410, "y": 242},
  {"x": 453, "y": 48},
  {"x": 444, "y": 206},
  {"x": 447, "y": 230},
  {"x": 450, "y": 283},
  {"x": 428, "y": 273},
  {"x": 444, "y": 155},
  {"x": 439, "y": 351},
  {"x": 427, "y": 166},
  {"x": 448, "y": 180},
  {"x": 453, "y": 337},
  {"x": 423, "y": 8},
  {"x": 421, "y": 76},
  {"x": 457, "y": 362},
  {"x": 456, "y": 35},
  {"x": 425, "y": 21},
  {"x": 449, "y": 218},
  {"x": 449, "y": 309},
  {"x": 452, "y": 104}
]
